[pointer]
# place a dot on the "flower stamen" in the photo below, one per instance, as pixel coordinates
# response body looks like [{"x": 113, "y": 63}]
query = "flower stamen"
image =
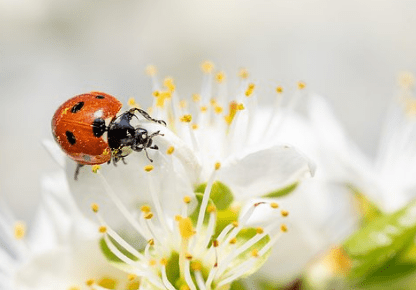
[{"x": 19, "y": 230}]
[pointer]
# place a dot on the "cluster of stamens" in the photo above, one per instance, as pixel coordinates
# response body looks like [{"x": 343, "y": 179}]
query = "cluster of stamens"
[
  {"x": 204, "y": 254},
  {"x": 205, "y": 260}
]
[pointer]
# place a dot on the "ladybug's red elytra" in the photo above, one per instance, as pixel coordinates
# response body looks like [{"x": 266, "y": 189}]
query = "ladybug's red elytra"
[{"x": 79, "y": 127}]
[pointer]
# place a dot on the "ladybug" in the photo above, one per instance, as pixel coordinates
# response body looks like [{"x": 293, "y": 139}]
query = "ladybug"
[{"x": 90, "y": 132}]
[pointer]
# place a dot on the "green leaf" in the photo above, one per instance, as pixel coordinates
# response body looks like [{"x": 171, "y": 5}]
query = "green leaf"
[
  {"x": 367, "y": 209},
  {"x": 220, "y": 194},
  {"x": 382, "y": 239},
  {"x": 282, "y": 191},
  {"x": 391, "y": 276}
]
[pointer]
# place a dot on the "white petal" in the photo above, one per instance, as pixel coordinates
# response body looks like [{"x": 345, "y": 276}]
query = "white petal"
[
  {"x": 320, "y": 214},
  {"x": 340, "y": 156},
  {"x": 260, "y": 172},
  {"x": 67, "y": 266},
  {"x": 55, "y": 151}
]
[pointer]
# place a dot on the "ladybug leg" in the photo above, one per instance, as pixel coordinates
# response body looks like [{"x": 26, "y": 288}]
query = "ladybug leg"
[
  {"x": 149, "y": 144},
  {"x": 146, "y": 115},
  {"x": 77, "y": 170},
  {"x": 147, "y": 155}
]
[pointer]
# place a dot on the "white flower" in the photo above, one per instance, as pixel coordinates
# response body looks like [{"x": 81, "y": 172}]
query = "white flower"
[
  {"x": 389, "y": 179},
  {"x": 321, "y": 210},
  {"x": 59, "y": 249},
  {"x": 160, "y": 226}
]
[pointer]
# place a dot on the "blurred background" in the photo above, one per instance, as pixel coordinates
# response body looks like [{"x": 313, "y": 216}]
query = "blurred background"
[{"x": 348, "y": 51}]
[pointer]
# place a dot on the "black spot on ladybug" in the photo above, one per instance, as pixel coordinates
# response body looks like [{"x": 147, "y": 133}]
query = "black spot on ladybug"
[
  {"x": 70, "y": 137},
  {"x": 99, "y": 97},
  {"x": 98, "y": 127},
  {"x": 77, "y": 107}
]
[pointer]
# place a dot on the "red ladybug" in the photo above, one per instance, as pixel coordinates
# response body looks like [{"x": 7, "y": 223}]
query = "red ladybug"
[{"x": 79, "y": 127}]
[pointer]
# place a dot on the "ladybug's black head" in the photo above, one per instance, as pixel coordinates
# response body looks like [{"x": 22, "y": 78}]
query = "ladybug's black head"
[{"x": 122, "y": 134}]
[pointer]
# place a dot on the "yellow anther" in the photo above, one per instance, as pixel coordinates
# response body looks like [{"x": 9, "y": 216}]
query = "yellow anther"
[
  {"x": 233, "y": 107},
  {"x": 156, "y": 93},
  {"x": 211, "y": 208},
  {"x": 133, "y": 285},
  {"x": 194, "y": 126},
  {"x": 283, "y": 228},
  {"x": 106, "y": 151},
  {"x": 240, "y": 107},
  {"x": 196, "y": 97},
  {"x": 19, "y": 230},
  {"x": 149, "y": 168},
  {"x": 203, "y": 109},
  {"x": 164, "y": 261},
  {"x": 170, "y": 150},
  {"x": 250, "y": 89},
  {"x": 284, "y": 213},
  {"x": 151, "y": 242},
  {"x": 187, "y": 199},
  {"x": 235, "y": 224},
  {"x": 74, "y": 288},
  {"x": 274, "y": 205},
  {"x": 218, "y": 109},
  {"x": 185, "y": 228},
  {"x": 183, "y": 104},
  {"x": 152, "y": 262},
  {"x": 178, "y": 218},
  {"x": 301, "y": 85},
  {"x": 233, "y": 241},
  {"x": 95, "y": 207},
  {"x": 196, "y": 266},
  {"x": 255, "y": 253},
  {"x": 162, "y": 97},
  {"x": 148, "y": 215},
  {"x": 338, "y": 261},
  {"x": 217, "y": 165},
  {"x": 132, "y": 102},
  {"x": 169, "y": 84},
  {"x": 151, "y": 70},
  {"x": 279, "y": 90},
  {"x": 213, "y": 102},
  {"x": 95, "y": 168},
  {"x": 188, "y": 256},
  {"x": 102, "y": 229},
  {"x": 186, "y": 118},
  {"x": 207, "y": 67},
  {"x": 89, "y": 282},
  {"x": 215, "y": 243},
  {"x": 243, "y": 73},
  {"x": 259, "y": 230},
  {"x": 220, "y": 77},
  {"x": 145, "y": 208},
  {"x": 184, "y": 287},
  {"x": 406, "y": 80},
  {"x": 131, "y": 277}
]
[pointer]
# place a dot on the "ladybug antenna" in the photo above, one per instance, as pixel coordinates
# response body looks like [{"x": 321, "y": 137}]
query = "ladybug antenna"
[{"x": 146, "y": 115}]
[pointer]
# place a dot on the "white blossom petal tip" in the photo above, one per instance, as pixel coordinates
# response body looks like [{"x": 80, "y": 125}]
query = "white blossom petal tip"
[{"x": 263, "y": 171}]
